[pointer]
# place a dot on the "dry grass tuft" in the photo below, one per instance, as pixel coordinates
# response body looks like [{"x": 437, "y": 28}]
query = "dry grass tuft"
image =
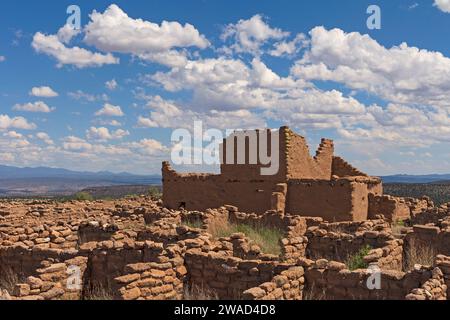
[
  {"x": 418, "y": 253},
  {"x": 199, "y": 293},
  {"x": 8, "y": 279},
  {"x": 195, "y": 223},
  {"x": 311, "y": 293},
  {"x": 98, "y": 292},
  {"x": 267, "y": 238}
]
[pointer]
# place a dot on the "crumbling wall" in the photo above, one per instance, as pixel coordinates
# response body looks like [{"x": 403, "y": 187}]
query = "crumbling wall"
[
  {"x": 304, "y": 185},
  {"x": 294, "y": 242},
  {"x": 300, "y": 163},
  {"x": 443, "y": 263},
  {"x": 250, "y": 168},
  {"x": 201, "y": 192},
  {"x": 342, "y": 168},
  {"x": 228, "y": 276},
  {"x": 392, "y": 208},
  {"x": 162, "y": 280},
  {"x": 331, "y": 280},
  {"x": 63, "y": 280},
  {"x": 423, "y": 212},
  {"x": 433, "y": 289},
  {"x": 438, "y": 240},
  {"x": 288, "y": 285},
  {"x": 339, "y": 241},
  {"x": 339, "y": 200},
  {"x": 25, "y": 261}
]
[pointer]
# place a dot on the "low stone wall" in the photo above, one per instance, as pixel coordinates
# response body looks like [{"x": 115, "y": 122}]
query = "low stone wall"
[
  {"x": 24, "y": 261},
  {"x": 288, "y": 285},
  {"x": 330, "y": 280},
  {"x": 430, "y": 215},
  {"x": 433, "y": 289},
  {"x": 339, "y": 241},
  {"x": 389, "y": 257},
  {"x": 63, "y": 281},
  {"x": 152, "y": 281},
  {"x": 228, "y": 276},
  {"x": 443, "y": 263},
  {"x": 433, "y": 237},
  {"x": 293, "y": 245}
]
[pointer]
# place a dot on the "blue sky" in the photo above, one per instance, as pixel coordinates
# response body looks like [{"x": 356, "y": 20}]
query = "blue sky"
[{"x": 108, "y": 96}]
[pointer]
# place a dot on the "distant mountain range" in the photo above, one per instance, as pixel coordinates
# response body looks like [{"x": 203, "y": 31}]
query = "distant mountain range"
[
  {"x": 45, "y": 181},
  {"x": 7, "y": 172},
  {"x": 430, "y": 178}
]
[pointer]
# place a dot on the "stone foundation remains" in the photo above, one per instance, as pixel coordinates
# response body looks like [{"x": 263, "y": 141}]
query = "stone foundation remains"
[{"x": 93, "y": 250}]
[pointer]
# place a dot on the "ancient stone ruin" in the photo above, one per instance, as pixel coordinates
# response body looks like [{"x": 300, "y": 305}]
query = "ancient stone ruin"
[
  {"x": 135, "y": 249},
  {"x": 319, "y": 229},
  {"x": 323, "y": 186}
]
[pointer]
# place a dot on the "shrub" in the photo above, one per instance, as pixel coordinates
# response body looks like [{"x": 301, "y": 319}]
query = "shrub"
[
  {"x": 83, "y": 196},
  {"x": 356, "y": 261},
  {"x": 155, "y": 193}
]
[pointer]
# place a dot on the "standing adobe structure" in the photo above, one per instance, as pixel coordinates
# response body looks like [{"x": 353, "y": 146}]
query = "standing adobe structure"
[{"x": 321, "y": 186}]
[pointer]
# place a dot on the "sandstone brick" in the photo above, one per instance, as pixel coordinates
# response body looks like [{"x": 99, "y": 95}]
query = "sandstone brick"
[
  {"x": 126, "y": 279},
  {"x": 131, "y": 294},
  {"x": 53, "y": 293},
  {"x": 21, "y": 290},
  {"x": 253, "y": 294}
]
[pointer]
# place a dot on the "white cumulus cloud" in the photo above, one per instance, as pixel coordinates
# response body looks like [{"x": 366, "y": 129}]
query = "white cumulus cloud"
[
  {"x": 443, "y": 5},
  {"x": 79, "y": 57},
  {"x": 7, "y": 122},
  {"x": 249, "y": 35},
  {"x": 115, "y": 31},
  {"x": 38, "y": 106},
  {"x": 400, "y": 74},
  {"x": 103, "y": 133},
  {"x": 110, "y": 110},
  {"x": 43, "y": 92},
  {"x": 43, "y": 136}
]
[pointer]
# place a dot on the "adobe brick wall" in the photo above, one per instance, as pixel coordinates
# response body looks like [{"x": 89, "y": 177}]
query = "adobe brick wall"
[
  {"x": 392, "y": 208},
  {"x": 342, "y": 168},
  {"x": 201, "y": 192},
  {"x": 322, "y": 185},
  {"x": 339, "y": 200},
  {"x": 24, "y": 261},
  {"x": 300, "y": 164},
  {"x": 250, "y": 172}
]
